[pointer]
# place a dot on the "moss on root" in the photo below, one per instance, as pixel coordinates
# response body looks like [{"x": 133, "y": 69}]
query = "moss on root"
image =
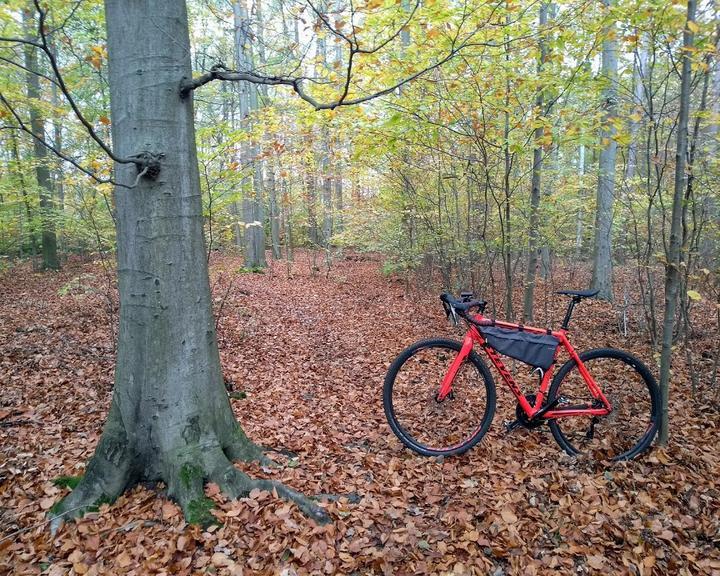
[
  {"x": 198, "y": 512},
  {"x": 67, "y": 481},
  {"x": 189, "y": 474}
]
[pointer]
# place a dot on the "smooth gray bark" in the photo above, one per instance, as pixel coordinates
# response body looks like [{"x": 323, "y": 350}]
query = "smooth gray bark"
[
  {"x": 672, "y": 268},
  {"x": 602, "y": 250},
  {"x": 253, "y": 212},
  {"x": 274, "y": 213},
  {"x": 170, "y": 418},
  {"x": 42, "y": 172}
]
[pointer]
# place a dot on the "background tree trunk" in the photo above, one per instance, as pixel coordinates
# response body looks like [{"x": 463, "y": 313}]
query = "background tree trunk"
[
  {"x": 532, "y": 260},
  {"x": 672, "y": 269},
  {"x": 42, "y": 172},
  {"x": 170, "y": 417},
  {"x": 253, "y": 213},
  {"x": 602, "y": 253}
]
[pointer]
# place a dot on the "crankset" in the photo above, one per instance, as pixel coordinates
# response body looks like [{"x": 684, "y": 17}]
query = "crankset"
[{"x": 522, "y": 418}]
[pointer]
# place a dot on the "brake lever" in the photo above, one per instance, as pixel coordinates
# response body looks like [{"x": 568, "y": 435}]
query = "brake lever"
[{"x": 450, "y": 313}]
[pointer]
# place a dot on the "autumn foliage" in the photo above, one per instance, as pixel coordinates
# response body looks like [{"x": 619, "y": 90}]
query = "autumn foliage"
[{"x": 304, "y": 358}]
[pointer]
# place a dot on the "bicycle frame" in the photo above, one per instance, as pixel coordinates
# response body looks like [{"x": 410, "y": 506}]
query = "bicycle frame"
[{"x": 473, "y": 336}]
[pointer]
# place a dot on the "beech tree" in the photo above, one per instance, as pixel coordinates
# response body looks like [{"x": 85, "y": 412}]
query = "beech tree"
[
  {"x": 602, "y": 252},
  {"x": 170, "y": 418}
]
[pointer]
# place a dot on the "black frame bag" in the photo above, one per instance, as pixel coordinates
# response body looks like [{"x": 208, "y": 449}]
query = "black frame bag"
[{"x": 535, "y": 349}]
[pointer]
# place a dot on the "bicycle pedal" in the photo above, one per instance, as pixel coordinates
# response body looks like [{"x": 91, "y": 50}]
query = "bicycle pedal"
[{"x": 511, "y": 425}]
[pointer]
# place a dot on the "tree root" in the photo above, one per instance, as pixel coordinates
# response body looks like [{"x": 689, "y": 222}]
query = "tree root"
[
  {"x": 115, "y": 467},
  {"x": 237, "y": 484},
  {"x": 108, "y": 474},
  {"x": 240, "y": 448}
]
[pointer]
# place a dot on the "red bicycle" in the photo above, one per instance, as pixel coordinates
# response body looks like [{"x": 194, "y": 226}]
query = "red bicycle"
[{"x": 439, "y": 395}]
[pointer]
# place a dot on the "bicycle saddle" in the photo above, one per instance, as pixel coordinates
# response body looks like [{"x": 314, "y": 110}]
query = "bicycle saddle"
[{"x": 578, "y": 293}]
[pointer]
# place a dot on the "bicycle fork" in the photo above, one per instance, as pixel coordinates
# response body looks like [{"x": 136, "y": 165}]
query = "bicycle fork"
[{"x": 446, "y": 385}]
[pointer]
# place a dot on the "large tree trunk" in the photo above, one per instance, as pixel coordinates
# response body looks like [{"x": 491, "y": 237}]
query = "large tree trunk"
[
  {"x": 42, "y": 172},
  {"x": 602, "y": 254},
  {"x": 170, "y": 419},
  {"x": 672, "y": 269}
]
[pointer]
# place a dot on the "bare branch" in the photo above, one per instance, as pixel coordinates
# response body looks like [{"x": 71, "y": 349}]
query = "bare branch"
[
  {"x": 392, "y": 37},
  {"x": 220, "y": 72},
  {"x": 25, "y": 69},
  {"x": 21, "y": 125},
  {"x": 67, "y": 19},
  {"x": 44, "y": 46},
  {"x": 20, "y": 41},
  {"x": 330, "y": 27}
]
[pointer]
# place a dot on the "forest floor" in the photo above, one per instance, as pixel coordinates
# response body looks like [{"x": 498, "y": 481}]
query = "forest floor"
[{"x": 309, "y": 353}]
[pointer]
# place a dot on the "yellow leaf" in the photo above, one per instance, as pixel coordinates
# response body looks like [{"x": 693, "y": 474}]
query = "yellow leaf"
[
  {"x": 694, "y": 295},
  {"x": 694, "y": 28}
]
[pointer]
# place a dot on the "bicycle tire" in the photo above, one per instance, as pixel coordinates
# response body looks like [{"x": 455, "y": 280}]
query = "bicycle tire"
[
  {"x": 629, "y": 438},
  {"x": 395, "y": 383}
]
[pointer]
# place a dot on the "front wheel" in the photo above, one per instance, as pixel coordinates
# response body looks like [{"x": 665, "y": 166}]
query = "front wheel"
[
  {"x": 421, "y": 422},
  {"x": 633, "y": 394}
]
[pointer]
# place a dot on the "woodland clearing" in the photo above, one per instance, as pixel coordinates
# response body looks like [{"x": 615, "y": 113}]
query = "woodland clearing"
[{"x": 304, "y": 358}]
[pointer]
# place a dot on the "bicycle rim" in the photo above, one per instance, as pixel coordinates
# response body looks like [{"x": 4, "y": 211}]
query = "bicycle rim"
[
  {"x": 421, "y": 422},
  {"x": 629, "y": 386}
]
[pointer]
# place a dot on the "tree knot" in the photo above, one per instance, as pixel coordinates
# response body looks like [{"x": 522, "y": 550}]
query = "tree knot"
[{"x": 147, "y": 164}]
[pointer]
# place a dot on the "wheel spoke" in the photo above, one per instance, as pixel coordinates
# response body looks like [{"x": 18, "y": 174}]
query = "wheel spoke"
[
  {"x": 423, "y": 423},
  {"x": 629, "y": 387}
]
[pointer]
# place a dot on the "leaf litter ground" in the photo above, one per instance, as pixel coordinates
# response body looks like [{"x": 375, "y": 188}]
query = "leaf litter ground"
[{"x": 304, "y": 358}]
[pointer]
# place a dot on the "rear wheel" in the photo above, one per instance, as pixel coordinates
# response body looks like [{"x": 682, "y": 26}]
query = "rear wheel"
[
  {"x": 423, "y": 424},
  {"x": 631, "y": 390}
]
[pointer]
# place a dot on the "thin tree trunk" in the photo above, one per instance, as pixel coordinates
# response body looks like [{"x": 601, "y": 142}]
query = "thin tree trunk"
[
  {"x": 42, "y": 173},
  {"x": 287, "y": 220},
  {"x": 531, "y": 272},
  {"x": 602, "y": 253},
  {"x": 639, "y": 66},
  {"x": 17, "y": 167},
  {"x": 672, "y": 269},
  {"x": 253, "y": 213},
  {"x": 507, "y": 190},
  {"x": 274, "y": 213},
  {"x": 579, "y": 227}
]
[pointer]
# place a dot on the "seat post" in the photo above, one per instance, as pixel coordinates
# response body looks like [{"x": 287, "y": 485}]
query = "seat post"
[{"x": 568, "y": 314}]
